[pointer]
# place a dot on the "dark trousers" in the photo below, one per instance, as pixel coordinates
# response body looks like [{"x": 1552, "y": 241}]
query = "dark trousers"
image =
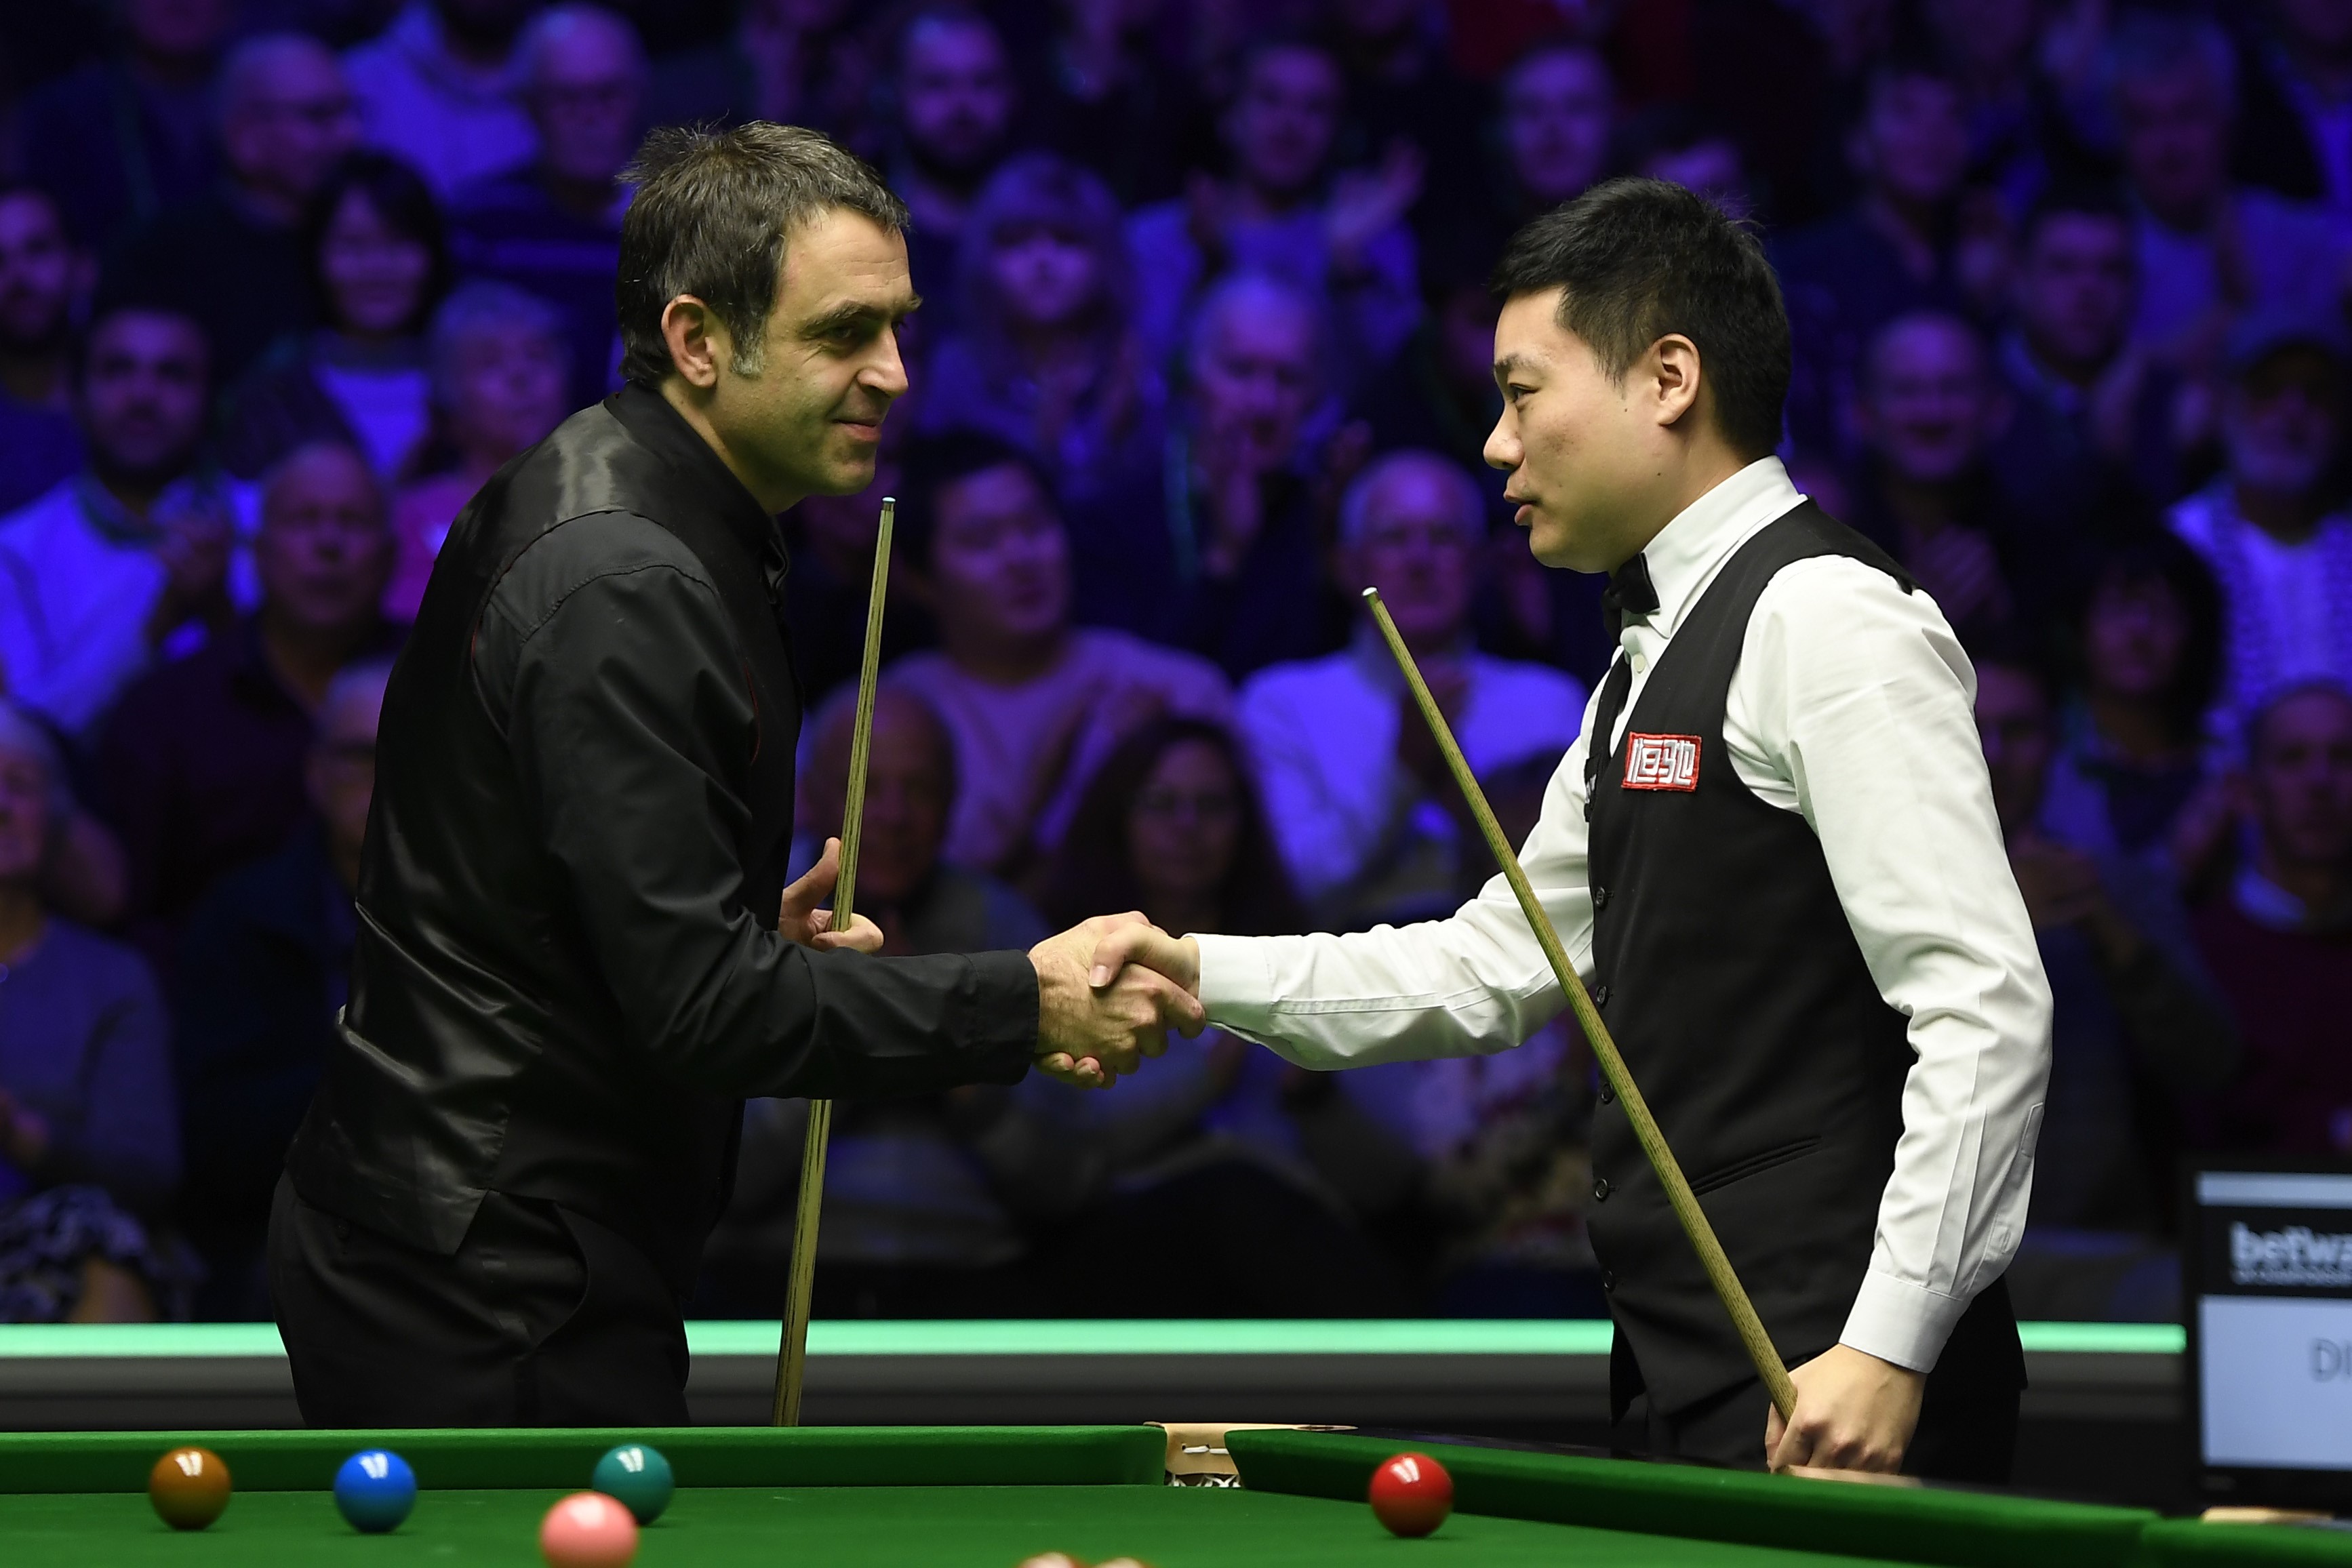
[
  {"x": 1967, "y": 1416},
  {"x": 541, "y": 1318}
]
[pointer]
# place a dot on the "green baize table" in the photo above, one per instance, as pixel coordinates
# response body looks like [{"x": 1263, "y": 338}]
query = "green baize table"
[{"x": 990, "y": 1496}]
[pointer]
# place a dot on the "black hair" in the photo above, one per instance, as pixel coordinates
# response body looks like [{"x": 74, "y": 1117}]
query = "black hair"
[
  {"x": 403, "y": 200},
  {"x": 2163, "y": 559},
  {"x": 713, "y": 210},
  {"x": 1091, "y": 871},
  {"x": 933, "y": 462},
  {"x": 1635, "y": 259},
  {"x": 2074, "y": 198}
]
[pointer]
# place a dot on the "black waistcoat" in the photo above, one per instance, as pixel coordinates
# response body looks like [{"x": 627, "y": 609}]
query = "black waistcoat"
[
  {"x": 513, "y": 1068},
  {"x": 1731, "y": 982}
]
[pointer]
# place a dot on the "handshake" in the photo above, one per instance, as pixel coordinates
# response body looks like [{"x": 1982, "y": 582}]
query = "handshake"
[{"x": 1108, "y": 990}]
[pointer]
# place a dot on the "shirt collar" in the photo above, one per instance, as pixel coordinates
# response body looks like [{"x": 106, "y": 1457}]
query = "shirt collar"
[
  {"x": 1684, "y": 557},
  {"x": 648, "y": 418}
]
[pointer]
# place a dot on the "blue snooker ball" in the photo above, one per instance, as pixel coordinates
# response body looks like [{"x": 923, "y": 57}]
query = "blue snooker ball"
[
  {"x": 375, "y": 1489},
  {"x": 636, "y": 1477}
]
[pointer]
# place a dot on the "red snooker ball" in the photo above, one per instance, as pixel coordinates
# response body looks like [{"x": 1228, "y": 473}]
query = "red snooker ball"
[
  {"x": 189, "y": 1487},
  {"x": 588, "y": 1530},
  {"x": 1412, "y": 1494}
]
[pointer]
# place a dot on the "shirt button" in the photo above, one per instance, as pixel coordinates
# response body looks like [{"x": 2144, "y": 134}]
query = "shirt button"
[
  {"x": 1608, "y": 1096},
  {"x": 1608, "y": 1280},
  {"x": 1599, "y": 898},
  {"x": 1639, "y": 664},
  {"x": 1601, "y": 996},
  {"x": 1600, "y": 1189}
]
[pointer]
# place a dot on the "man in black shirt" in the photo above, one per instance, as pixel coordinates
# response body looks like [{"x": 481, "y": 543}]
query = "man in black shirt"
[{"x": 570, "y": 965}]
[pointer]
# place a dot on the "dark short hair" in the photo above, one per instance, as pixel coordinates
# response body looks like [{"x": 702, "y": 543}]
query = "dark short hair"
[
  {"x": 2162, "y": 559},
  {"x": 712, "y": 212},
  {"x": 402, "y": 199},
  {"x": 2074, "y": 199},
  {"x": 934, "y": 462},
  {"x": 1636, "y": 259}
]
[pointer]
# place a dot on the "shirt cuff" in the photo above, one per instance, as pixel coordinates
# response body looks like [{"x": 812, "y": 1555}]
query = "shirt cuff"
[
  {"x": 1897, "y": 1321},
  {"x": 1237, "y": 984}
]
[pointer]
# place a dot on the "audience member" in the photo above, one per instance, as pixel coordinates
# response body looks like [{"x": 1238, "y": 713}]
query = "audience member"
[
  {"x": 442, "y": 88},
  {"x": 2280, "y": 942},
  {"x": 1223, "y": 552},
  {"x": 2207, "y": 249},
  {"x": 1204, "y": 1158},
  {"x": 553, "y": 227},
  {"x": 928, "y": 1202},
  {"x": 263, "y": 971},
  {"x": 796, "y": 62},
  {"x": 1033, "y": 703},
  {"x": 1281, "y": 212},
  {"x": 1401, "y": 87},
  {"x": 39, "y": 275},
  {"x": 202, "y": 763},
  {"x": 1927, "y": 411},
  {"x": 956, "y": 99},
  {"x": 373, "y": 236},
  {"x": 1992, "y": 45},
  {"x": 133, "y": 552},
  {"x": 89, "y": 1130},
  {"x": 1046, "y": 359},
  {"x": 233, "y": 258},
  {"x": 1369, "y": 821},
  {"x": 831, "y": 542},
  {"x": 1103, "y": 92},
  {"x": 497, "y": 361},
  {"x": 1888, "y": 255},
  {"x": 2294, "y": 117},
  {"x": 1557, "y": 106},
  {"x": 119, "y": 139},
  {"x": 1682, "y": 144},
  {"x": 2135, "y": 1029},
  {"x": 2096, "y": 425},
  {"x": 2269, "y": 526},
  {"x": 2131, "y": 776}
]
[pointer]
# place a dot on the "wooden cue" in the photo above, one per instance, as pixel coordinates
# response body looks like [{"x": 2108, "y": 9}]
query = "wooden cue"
[
  {"x": 1719, "y": 1272},
  {"x": 792, "y": 1354}
]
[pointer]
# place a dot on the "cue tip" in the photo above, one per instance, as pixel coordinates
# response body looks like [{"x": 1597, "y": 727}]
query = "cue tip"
[{"x": 1372, "y": 594}]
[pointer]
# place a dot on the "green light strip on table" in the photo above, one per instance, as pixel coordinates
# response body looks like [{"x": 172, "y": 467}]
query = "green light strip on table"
[{"x": 1289, "y": 1337}]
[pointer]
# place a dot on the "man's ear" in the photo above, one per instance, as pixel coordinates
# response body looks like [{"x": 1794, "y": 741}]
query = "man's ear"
[
  {"x": 697, "y": 339},
  {"x": 1676, "y": 373}
]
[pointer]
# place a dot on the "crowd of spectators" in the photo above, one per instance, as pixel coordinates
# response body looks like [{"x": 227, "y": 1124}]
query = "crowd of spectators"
[{"x": 1205, "y": 350}]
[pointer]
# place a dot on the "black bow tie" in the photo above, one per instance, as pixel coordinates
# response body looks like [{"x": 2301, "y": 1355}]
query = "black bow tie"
[{"x": 1629, "y": 593}]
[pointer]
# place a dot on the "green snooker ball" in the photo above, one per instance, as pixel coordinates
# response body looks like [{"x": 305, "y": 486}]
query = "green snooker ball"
[{"x": 635, "y": 1476}]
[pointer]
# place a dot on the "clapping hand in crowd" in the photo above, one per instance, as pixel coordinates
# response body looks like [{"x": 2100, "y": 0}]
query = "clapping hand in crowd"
[{"x": 194, "y": 555}]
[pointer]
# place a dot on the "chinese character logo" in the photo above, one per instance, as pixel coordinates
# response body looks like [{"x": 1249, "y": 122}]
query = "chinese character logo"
[{"x": 1661, "y": 761}]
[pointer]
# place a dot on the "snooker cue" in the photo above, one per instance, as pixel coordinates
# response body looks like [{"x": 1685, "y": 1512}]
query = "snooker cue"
[
  {"x": 1719, "y": 1272},
  {"x": 792, "y": 1354}
]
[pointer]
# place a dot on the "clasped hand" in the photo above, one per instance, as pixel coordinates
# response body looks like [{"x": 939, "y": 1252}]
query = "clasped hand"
[{"x": 1108, "y": 990}]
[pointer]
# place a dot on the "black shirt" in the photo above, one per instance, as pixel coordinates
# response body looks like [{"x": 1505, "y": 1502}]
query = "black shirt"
[{"x": 567, "y": 970}]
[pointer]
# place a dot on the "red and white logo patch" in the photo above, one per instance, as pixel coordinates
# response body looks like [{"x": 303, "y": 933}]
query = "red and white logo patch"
[{"x": 1661, "y": 761}]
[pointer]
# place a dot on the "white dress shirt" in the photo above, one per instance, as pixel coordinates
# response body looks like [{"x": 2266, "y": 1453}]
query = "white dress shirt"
[{"x": 1852, "y": 705}]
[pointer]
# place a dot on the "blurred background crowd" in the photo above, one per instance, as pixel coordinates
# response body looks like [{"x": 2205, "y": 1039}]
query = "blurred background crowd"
[{"x": 1205, "y": 349}]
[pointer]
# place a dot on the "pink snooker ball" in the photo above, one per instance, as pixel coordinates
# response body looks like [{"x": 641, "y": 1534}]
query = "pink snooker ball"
[{"x": 588, "y": 1530}]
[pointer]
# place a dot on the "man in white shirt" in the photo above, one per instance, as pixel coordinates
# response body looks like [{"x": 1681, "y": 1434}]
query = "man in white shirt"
[
  {"x": 2269, "y": 526},
  {"x": 135, "y": 555},
  {"x": 1370, "y": 825},
  {"x": 1785, "y": 879}
]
